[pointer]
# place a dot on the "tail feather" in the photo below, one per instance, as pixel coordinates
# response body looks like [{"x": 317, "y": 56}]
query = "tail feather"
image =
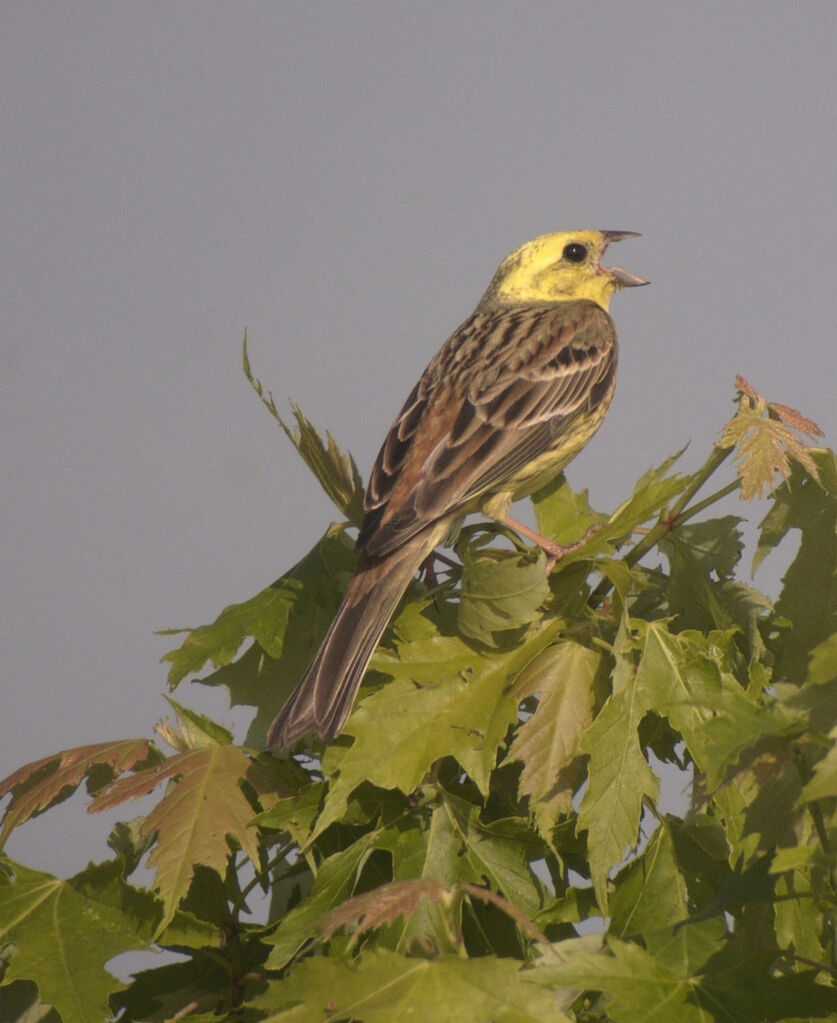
[{"x": 323, "y": 699}]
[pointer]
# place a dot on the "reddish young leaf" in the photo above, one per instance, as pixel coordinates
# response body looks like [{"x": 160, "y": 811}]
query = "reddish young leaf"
[
  {"x": 795, "y": 419},
  {"x": 38, "y": 785},
  {"x": 383, "y": 905},
  {"x": 764, "y": 434}
]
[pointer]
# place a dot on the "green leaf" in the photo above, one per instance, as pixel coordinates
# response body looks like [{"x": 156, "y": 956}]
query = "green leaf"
[
  {"x": 701, "y": 592},
  {"x": 62, "y": 940},
  {"x": 561, "y": 514},
  {"x": 287, "y": 620},
  {"x": 650, "y": 892},
  {"x": 431, "y": 851},
  {"x": 715, "y": 545},
  {"x": 19, "y": 1003},
  {"x": 193, "y": 730},
  {"x": 643, "y": 990},
  {"x": 652, "y": 492},
  {"x": 333, "y": 884},
  {"x": 404, "y": 727},
  {"x": 619, "y": 779},
  {"x": 824, "y": 782},
  {"x": 499, "y": 852},
  {"x": 546, "y": 744},
  {"x": 195, "y": 818},
  {"x": 727, "y": 985},
  {"x": 823, "y": 664},
  {"x": 798, "y": 917},
  {"x": 501, "y": 590},
  {"x": 809, "y": 595},
  {"x": 383, "y": 986},
  {"x": 160, "y": 994},
  {"x": 383, "y": 906},
  {"x": 296, "y": 813},
  {"x": 335, "y": 470},
  {"x": 685, "y": 677}
]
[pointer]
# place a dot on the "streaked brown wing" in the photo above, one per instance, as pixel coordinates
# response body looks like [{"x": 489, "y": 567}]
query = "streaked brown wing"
[{"x": 502, "y": 391}]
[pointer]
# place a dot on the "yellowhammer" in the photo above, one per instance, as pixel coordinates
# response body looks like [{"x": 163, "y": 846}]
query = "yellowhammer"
[{"x": 511, "y": 397}]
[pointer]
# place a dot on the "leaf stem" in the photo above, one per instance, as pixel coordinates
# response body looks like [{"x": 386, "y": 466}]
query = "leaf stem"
[
  {"x": 678, "y": 512},
  {"x": 260, "y": 878},
  {"x": 689, "y": 513}
]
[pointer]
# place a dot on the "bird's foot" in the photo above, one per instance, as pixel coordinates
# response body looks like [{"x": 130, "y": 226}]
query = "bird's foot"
[{"x": 554, "y": 551}]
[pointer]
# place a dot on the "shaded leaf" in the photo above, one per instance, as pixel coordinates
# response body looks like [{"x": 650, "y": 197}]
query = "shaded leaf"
[
  {"x": 809, "y": 594},
  {"x": 650, "y": 893},
  {"x": 824, "y": 782},
  {"x": 432, "y": 852},
  {"x": 643, "y": 990},
  {"x": 20, "y": 1003},
  {"x": 333, "y": 885},
  {"x": 497, "y": 853},
  {"x": 383, "y": 905}
]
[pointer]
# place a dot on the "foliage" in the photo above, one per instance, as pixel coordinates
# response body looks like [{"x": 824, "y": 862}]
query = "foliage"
[{"x": 489, "y": 839}]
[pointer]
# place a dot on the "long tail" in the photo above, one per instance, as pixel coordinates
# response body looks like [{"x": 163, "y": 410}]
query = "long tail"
[{"x": 323, "y": 699}]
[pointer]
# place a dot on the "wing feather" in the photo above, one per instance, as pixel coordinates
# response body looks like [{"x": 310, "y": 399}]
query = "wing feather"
[{"x": 504, "y": 389}]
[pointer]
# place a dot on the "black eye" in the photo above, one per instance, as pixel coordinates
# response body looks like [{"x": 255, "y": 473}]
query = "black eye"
[{"x": 575, "y": 252}]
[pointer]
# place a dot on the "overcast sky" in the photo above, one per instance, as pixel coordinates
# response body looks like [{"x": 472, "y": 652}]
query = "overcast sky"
[{"x": 343, "y": 179}]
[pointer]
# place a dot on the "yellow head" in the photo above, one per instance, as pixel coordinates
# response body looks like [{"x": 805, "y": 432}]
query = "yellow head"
[{"x": 560, "y": 267}]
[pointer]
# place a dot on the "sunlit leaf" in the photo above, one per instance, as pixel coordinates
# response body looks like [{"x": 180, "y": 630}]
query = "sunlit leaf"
[
  {"x": 501, "y": 590},
  {"x": 383, "y": 986},
  {"x": 403, "y": 728},
  {"x": 619, "y": 779},
  {"x": 196, "y": 818},
  {"x": 547, "y": 742},
  {"x": 767, "y": 443},
  {"x": 562, "y": 514}
]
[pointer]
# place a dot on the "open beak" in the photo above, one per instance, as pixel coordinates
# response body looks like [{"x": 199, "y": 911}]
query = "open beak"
[{"x": 623, "y": 278}]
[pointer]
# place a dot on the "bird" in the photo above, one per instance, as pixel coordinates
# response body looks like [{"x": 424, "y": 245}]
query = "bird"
[{"x": 511, "y": 397}]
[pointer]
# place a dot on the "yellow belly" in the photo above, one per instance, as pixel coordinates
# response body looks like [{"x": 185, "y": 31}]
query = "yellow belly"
[{"x": 545, "y": 467}]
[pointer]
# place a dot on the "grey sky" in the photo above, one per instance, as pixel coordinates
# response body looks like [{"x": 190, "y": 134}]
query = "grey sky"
[{"x": 343, "y": 179}]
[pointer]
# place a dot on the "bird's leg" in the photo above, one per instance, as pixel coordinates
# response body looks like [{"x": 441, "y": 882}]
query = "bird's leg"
[{"x": 554, "y": 551}]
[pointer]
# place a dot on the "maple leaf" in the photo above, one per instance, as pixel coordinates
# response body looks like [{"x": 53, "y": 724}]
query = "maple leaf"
[
  {"x": 546, "y": 743},
  {"x": 383, "y": 905},
  {"x": 335, "y": 469},
  {"x": 64, "y": 936},
  {"x": 194, "y": 820},
  {"x": 50, "y": 780},
  {"x": 764, "y": 434}
]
